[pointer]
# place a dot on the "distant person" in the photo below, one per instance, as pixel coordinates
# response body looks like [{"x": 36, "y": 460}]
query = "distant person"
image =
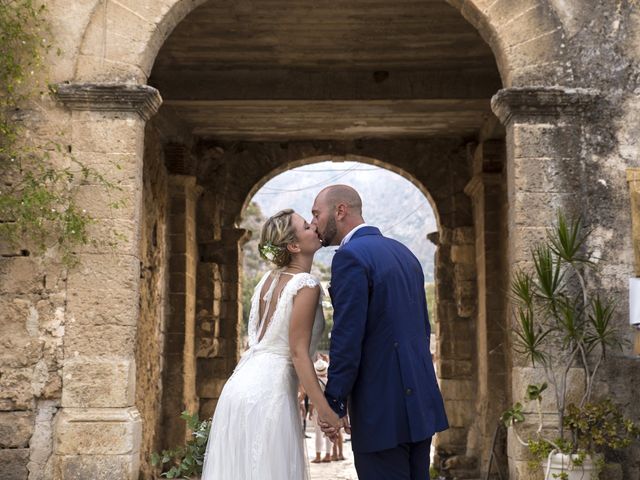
[
  {"x": 380, "y": 371},
  {"x": 321, "y": 439}
]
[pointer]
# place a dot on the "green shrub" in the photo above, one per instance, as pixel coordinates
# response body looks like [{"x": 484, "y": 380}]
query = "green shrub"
[{"x": 185, "y": 461}]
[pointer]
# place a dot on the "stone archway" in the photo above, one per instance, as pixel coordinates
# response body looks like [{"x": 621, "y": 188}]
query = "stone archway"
[
  {"x": 119, "y": 47},
  {"x": 470, "y": 311},
  {"x": 122, "y": 39}
]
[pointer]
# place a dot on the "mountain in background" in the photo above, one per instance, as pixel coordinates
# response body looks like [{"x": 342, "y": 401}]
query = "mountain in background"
[{"x": 390, "y": 202}]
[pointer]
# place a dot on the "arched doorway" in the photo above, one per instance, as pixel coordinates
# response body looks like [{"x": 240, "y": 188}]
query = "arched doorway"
[
  {"x": 446, "y": 141},
  {"x": 391, "y": 201}
]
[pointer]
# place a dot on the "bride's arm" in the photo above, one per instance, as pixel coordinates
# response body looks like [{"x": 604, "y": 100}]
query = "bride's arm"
[{"x": 302, "y": 318}]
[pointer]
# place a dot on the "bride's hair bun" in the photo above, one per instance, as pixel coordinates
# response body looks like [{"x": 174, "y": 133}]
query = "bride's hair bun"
[{"x": 277, "y": 233}]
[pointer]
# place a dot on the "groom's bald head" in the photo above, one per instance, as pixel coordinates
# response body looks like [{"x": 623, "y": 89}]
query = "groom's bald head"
[
  {"x": 336, "y": 211},
  {"x": 335, "y": 195}
]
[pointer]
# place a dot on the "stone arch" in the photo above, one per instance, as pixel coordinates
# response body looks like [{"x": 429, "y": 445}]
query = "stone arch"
[
  {"x": 123, "y": 51},
  {"x": 526, "y": 37},
  {"x": 122, "y": 39},
  {"x": 347, "y": 158},
  {"x": 242, "y": 168}
]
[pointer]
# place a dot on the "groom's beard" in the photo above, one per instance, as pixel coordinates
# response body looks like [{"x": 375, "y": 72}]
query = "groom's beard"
[{"x": 330, "y": 233}]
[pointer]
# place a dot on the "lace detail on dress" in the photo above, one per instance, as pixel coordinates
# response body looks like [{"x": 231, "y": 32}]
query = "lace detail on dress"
[{"x": 302, "y": 280}]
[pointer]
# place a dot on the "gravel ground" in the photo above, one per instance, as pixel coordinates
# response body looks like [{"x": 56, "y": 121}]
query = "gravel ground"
[{"x": 342, "y": 470}]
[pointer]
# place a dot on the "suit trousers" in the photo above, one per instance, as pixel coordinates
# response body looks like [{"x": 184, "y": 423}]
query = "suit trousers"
[{"x": 407, "y": 461}]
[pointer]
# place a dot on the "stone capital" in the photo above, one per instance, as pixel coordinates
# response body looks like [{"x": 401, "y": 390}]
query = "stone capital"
[
  {"x": 113, "y": 97},
  {"x": 532, "y": 102}
]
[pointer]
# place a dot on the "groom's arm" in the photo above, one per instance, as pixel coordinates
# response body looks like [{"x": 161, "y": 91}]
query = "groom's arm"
[{"x": 350, "y": 297}]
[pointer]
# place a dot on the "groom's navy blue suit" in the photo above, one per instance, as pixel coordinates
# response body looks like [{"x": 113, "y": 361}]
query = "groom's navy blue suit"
[{"x": 380, "y": 364}]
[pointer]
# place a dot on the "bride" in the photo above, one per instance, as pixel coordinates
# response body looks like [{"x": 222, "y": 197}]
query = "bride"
[{"x": 256, "y": 432}]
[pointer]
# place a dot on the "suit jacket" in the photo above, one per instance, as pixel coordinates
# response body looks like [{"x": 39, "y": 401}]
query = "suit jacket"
[{"x": 380, "y": 363}]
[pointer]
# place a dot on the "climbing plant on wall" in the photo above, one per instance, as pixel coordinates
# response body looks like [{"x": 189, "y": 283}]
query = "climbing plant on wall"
[{"x": 38, "y": 211}]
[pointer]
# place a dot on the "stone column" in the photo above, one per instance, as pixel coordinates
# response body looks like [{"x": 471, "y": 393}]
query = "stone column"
[
  {"x": 456, "y": 294},
  {"x": 487, "y": 191},
  {"x": 545, "y": 168},
  {"x": 179, "y": 375},
  {"x": 220, "y": 342},
  {"x": 97, "y": 433}
]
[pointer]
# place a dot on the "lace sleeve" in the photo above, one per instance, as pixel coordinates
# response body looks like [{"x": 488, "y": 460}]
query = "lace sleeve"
[{"x": 304, "y": 280}]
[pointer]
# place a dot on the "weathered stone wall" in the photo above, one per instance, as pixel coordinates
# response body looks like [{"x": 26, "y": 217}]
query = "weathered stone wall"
[
  {"x": 32, "y": 321},
  {"x": 150, "y": 339}
]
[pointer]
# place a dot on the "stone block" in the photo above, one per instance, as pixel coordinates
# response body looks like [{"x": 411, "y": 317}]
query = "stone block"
[
  {"x": 98, "y": 431},
  {"x": 96, "y": 382},
  {"x": 540, "y": 209},
  {"x": 458, "y": 389},
  {"x": 210, "y": 387},
  {"x": 99, "y": 273},
  {"x": 504, "y": 11},
  {"x": 548, "y": 175},
  {"x": 17, "y": 387},
  {"x": 16, "y": 429},
  {"x": 103, "y": 202},
  {"x": 522, "y": 239},
  {"x": 545, "y": 141},
  {"x": 209, "y": 347},
  {"x": 463, "y": 236},
  {"x": 212, "y": 367},
  {"x": 115, "y": 306},
  {"x": 121, "y": 169},
  {"x": 207, "y": 407},
  {"x": 455, "y": 369},
  {"x": 534, "y": 22},
  {"x": 41, "y": 443},
  {"x": 521, "y": 470},
  {"x": 110, "y": 235},
  {"x": 525, "y": 376},
  {"x": 465, "y": 254},
  {"x": 108, "y": 133},
  {"x": 21, "y": 275},
  {"x": 98, "y": 467},
  {"x": 460, "y": 412},
  {"x": 13, "y": 463},
  {"x": 452, "y": 440},
  {"x": 99, "y": 340}
]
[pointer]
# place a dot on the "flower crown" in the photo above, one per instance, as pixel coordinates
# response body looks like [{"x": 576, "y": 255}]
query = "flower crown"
[{"x": 270, "y": 252}]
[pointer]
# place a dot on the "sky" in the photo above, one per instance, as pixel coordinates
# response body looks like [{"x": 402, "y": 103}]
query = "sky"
[{"x": 390, "y": 202}]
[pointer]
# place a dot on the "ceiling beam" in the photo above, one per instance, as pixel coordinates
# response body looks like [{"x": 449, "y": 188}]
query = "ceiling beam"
[{"x": 325, "y": 85}]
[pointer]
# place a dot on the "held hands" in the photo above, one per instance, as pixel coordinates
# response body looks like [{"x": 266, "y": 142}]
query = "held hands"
[{"x": 331, "y": 424}]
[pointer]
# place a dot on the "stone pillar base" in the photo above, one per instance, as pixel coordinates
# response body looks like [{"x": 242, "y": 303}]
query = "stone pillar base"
[{"x": 98, "y": 443}]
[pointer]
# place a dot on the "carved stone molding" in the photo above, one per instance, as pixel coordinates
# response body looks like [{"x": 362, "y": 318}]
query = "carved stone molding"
[
  {"x": 542, "y": 102},
  {"x": 98, "y": 97}
]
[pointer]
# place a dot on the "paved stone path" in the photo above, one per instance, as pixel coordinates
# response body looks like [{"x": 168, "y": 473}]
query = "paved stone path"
[{"x": 343, "y": 470}]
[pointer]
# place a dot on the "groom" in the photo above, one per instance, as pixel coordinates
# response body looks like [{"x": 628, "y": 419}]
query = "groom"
[{"x": 381, "y": 369}]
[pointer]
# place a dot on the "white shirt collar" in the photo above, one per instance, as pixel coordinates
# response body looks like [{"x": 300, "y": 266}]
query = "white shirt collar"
[{"x": 348, "y": 236}]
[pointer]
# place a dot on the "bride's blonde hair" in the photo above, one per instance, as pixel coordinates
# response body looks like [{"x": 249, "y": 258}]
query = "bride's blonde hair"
[{"x": 277, "y": 233}]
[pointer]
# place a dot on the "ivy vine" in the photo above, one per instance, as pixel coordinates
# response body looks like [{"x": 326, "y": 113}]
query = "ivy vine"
[{"x": 38, "y": 209}]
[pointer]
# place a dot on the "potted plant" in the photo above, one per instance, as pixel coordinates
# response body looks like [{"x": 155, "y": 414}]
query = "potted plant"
[{"x": 565, "y": 330}]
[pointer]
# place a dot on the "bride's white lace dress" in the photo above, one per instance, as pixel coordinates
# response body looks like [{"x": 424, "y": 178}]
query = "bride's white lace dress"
[{"x": 256, "y": 433}]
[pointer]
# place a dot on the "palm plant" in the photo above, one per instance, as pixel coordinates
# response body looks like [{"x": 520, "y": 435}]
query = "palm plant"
[{"x": 560, "y": 324}]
